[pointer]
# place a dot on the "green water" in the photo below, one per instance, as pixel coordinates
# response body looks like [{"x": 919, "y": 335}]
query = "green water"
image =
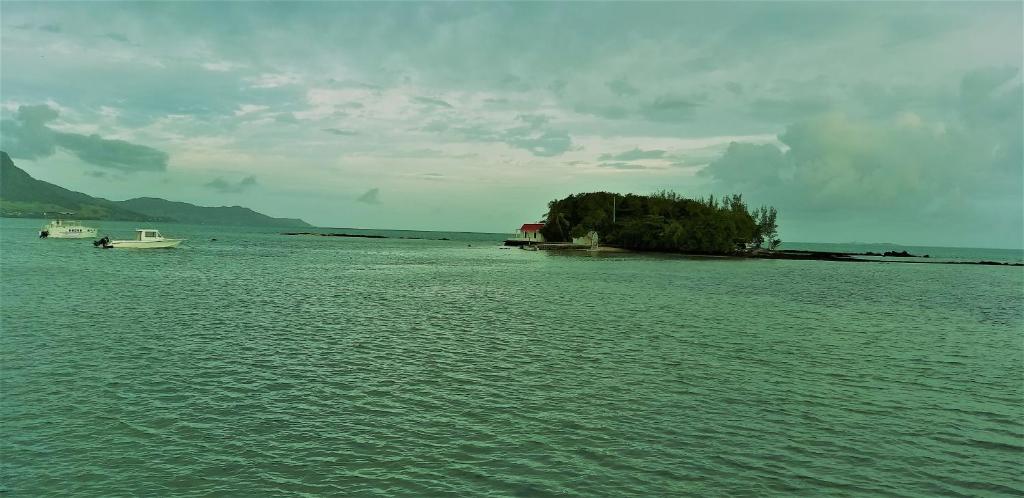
[{"x": 261, "y": 364}]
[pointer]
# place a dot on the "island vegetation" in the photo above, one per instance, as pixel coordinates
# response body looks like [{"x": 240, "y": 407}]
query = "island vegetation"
[{"x": 664, "y": 221}]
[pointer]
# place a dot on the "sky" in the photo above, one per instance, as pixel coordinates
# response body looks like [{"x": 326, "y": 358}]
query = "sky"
[{"x": 874, "y": 122}]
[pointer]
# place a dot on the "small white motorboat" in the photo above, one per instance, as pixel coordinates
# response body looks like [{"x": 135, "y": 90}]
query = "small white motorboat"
[
  {"x": 145, "y": 238},
  {"x": 66, "y": 229}
]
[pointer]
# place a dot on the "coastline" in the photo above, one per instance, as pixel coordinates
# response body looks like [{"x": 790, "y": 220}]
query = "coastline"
[
  {"x": 792, "y": 254},
  {"x": 783, "y": 254}
]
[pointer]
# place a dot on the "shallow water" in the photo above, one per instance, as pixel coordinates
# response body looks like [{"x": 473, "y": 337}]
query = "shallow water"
[{"x": 266, "y": 364}]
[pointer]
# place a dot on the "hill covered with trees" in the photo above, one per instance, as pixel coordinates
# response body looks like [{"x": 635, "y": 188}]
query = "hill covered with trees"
[
  {"x": 22, "y": 196},
  {"x": 665, "y": 221}
]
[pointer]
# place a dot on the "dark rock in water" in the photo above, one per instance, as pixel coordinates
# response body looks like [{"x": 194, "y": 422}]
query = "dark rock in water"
[
  {"x": 213, "y": 240},
  {"x": 804, "y": 255},
  {"x": 926, "y": 256},
  {"x": 900, "y": 254},
  {"x": 444, "y": 238},
  {"x": 356, "y": 235},
  {"x": 869, "y": 253}
]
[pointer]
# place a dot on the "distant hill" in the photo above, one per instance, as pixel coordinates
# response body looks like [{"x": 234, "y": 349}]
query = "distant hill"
[
  {"x": 22, "y": 196},
  {"x": 200, "y": 215}
]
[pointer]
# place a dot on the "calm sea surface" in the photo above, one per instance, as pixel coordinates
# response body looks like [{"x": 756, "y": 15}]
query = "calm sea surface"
[{"x": 261, "y": 364}]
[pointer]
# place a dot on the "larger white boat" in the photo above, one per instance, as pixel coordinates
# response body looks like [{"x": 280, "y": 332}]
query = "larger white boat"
[
  {"x": 145, "y": 238},
  {"x": 65, "y": 229}
]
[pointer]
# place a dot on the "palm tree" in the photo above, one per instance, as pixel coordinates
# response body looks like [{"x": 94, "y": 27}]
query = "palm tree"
[{"x": 557, "y": 219}]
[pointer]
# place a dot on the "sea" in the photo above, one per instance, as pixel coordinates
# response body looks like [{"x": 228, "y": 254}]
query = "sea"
[{"x": 251, "y": 363}]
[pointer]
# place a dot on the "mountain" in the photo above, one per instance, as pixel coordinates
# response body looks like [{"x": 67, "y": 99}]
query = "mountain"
[
  {"x": 22, "y": 196},
  {"x": 200, "y": 215}
]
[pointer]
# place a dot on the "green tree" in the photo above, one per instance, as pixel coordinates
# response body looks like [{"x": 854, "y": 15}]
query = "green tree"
[{"x": 770, "y": 228}]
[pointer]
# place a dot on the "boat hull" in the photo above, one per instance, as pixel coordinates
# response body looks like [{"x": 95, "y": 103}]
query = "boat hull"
[
  {"x": 85, "y": 233},
  {"x": 145, "y": 244}
]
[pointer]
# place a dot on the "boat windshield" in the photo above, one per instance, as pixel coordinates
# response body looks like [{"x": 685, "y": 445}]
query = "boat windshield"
[{"x": 147, "y": 234}]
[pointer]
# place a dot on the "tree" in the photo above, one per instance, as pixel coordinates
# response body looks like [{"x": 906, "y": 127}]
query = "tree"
[
  {"x": 557, "y": 226},
  {"x": 768, "y": 230}
]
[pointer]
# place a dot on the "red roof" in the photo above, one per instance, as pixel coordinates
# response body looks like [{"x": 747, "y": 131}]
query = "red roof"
[{"x": 531, "y": 227}]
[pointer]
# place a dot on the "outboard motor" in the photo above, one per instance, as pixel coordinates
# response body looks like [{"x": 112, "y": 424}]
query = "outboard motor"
[
  {"x": 44, "y": 234},
  {"x": 104, "y": 242}
]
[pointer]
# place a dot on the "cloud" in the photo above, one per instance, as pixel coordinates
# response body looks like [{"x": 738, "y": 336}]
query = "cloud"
[
  {"x": 225, "y": 187},
  {"x": 28, "y": 136},
  {"x": 991, "y": 96},
  {"x": 664, "y": 109},
  {"x": 426, "y": 153},
  {"x": 432, "y": 102},
  {"x": 336, "y": 83},
  {"x": 340, "y": 132},
  {"x": 435, "y": 126},
  {"x": 118, "y": 37},
  {"x": 898, "y": 159},
  {"x": 433, "y": 177},
  {"x": 534, "y": 120},
  {"x": 669, "y": 109},
  {"x": 246, "y": 109},
  {"x": 603, "y": 110},
  {"x": 622, "y": 166},
  {"x": 371, "y": 196},
  {"x": 286, "y": 117},
  {"x": 115, "y": 154},
  {"x": 932, "y": 176},
  {"x": 633, "y": 155},
  {"x": 621, "y": 87},
  {"x": 272, "y": 80},
  {"x": 543, "y": 143},
  {"x": 223, "y": 66},
  {"x": 96, "y": 174},
  {"x": 773, "y": 109},
  {"x": 537, "y": 137}
]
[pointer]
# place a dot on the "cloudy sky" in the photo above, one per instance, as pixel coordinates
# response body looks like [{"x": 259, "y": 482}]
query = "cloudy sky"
[{"x": 896, "y": 122}]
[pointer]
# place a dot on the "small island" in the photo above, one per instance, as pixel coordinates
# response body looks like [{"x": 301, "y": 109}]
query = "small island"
[
  {"x": 664, "y": 222},
  {"x": 667, "y": 222}
]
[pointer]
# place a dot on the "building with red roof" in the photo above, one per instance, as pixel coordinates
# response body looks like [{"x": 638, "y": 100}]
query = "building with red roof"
[{"x": 527, "y": 234}]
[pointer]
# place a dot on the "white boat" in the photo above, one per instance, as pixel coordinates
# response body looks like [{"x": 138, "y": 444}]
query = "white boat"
[
  {"x": 145, "y": 238},
  {"x": 64, "y": 229}
]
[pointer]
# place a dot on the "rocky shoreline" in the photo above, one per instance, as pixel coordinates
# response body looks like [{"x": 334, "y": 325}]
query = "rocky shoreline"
[
  {"x": 802, "y": 255},
  {"x": 859, "y": 257}
]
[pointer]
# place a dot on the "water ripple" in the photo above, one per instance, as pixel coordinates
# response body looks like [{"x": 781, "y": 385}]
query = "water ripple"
[{"x": 268, "y": 365}]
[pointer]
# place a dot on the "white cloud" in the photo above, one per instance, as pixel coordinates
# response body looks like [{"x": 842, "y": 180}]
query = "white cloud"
[
  {"x": 222, "y": 66},
  {"x": 246, "y": 109},
  {"x": 273, "y": 80}
]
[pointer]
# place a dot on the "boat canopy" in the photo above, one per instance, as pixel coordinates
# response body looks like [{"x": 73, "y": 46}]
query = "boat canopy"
[{"x": 146, "y": 233}]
